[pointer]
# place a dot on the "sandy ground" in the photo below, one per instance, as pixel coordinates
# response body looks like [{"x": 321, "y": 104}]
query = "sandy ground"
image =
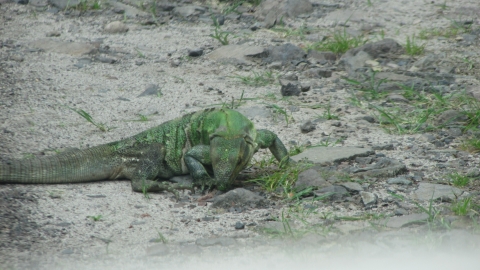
[{"x": 55, "y": 228}]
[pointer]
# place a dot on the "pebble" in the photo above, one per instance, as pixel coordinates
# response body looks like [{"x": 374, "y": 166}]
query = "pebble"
[
  {"x": 116, "y": 27},
  {"x": 239, "y": 225}
]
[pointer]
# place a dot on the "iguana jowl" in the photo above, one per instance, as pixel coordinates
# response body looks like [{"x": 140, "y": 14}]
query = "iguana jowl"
[{"x": 218, "y": 140}]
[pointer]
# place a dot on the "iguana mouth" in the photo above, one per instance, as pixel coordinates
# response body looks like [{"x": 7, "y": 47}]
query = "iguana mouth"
[{"x": 230, "y": 156}]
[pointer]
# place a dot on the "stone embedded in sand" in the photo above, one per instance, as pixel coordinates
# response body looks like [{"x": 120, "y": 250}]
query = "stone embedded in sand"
[
  {"x": 310, "y": 178},
  {"x": 116, "y": 27},
  {"x": 428, "y": 191},
  {"x": 239, "y": 197}
]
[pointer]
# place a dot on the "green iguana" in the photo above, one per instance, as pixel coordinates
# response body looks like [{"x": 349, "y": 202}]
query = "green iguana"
[{"x": 221, "y": 141}]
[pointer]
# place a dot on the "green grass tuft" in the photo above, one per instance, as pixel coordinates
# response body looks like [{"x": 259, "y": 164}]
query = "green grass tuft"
[
  {"x": 462, "y": 207},
  {"x": 471, "y": 145},
  {"x": 459, "y": 180},
  {"x": 257, "y": 79},
  {"x": 339, "y": 42},
  {"x": 96, "y": 218},
  {"x": 103, "y": 127},
  {"x": 413, "y": 48}
]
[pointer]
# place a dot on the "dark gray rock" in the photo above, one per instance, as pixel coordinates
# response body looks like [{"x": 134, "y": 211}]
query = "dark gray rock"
[
  {"x": 290, "y": 89},
  {"x": 237, "y": 54},
  {"x": 369, "y": 199},
  {"x": 384, "y": 167},
  {"x": 195, "y": 52},
  {"x": 355, "y": 58},
  {"x": 426, "y": 61},
  {"x": 39, "y": 4},
  {"x": 322, "y": 56},
  {"x": 364, "y": 160},
  {"x": 428, "y": 191},
  {"x": 317, "y": 73},
  {"x": 473, "y": 172},
  {"x": 129, "y": 10},
  {"x": 406, "y": 220},
  {"x": 323, "y": 155},
  {"x": 218, "y": 241},
  {"x": 368, "y": 118},
  {"x": 310, "y": 178},
  {"x": 316, "y": 37},
  {"x": 400, "y": 212},
  {"x": 286, "y": 53},
  {"x": 209, "y": 218},
  {"x": 239, "y": 225},
  {"x": 352, "y": 186},
  {"x": 451, "y": 117},
  {"x": 383, "y": 147},
  {"x": 305, "y": 86},
  {"x": 290, "y": 76},
  {"x": 401, "y": 180},
  {"x": 307, "y": 127},
  {"x": 165, "y": 5},
  {"x": 219, "y": 19},
  {"x": 427, "y": 137},
  {"x": 455, "y": 132},
  {"x": 96, "y": 196},
  {"x": 239, "y": 197},
  {"x": 272, "y": 11},
  {"x": 105, "y": 60},
  {"x": 270, "y": 20},
  {"x": 336, "y": 192},
  {"x": 233, "y": 16},
  {"x": 469, "y": 38},
  {"x": 63, "y": 4},
  {"x": 383, "y": 48},
  {"x": 152, "y": 90}
]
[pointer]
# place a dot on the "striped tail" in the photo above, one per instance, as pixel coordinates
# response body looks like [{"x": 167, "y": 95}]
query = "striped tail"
[{"x": 73, "y": 166}]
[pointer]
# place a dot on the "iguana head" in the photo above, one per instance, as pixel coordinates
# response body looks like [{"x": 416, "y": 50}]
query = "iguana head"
[{"x": 230, "y": 155}]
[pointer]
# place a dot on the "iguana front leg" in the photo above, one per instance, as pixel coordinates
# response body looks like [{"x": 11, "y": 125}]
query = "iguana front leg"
[
  {"x": 268, "y": 139},
  {"x": 142, "y": 163},
  {"x": 196, "y": 158}
]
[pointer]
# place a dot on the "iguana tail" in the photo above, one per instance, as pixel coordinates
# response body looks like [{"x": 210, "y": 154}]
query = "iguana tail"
[{"x": 69, "y": 167}]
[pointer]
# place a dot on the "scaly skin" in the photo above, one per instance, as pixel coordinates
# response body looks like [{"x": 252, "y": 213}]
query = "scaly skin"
[{"x": 221, "y": 141}]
